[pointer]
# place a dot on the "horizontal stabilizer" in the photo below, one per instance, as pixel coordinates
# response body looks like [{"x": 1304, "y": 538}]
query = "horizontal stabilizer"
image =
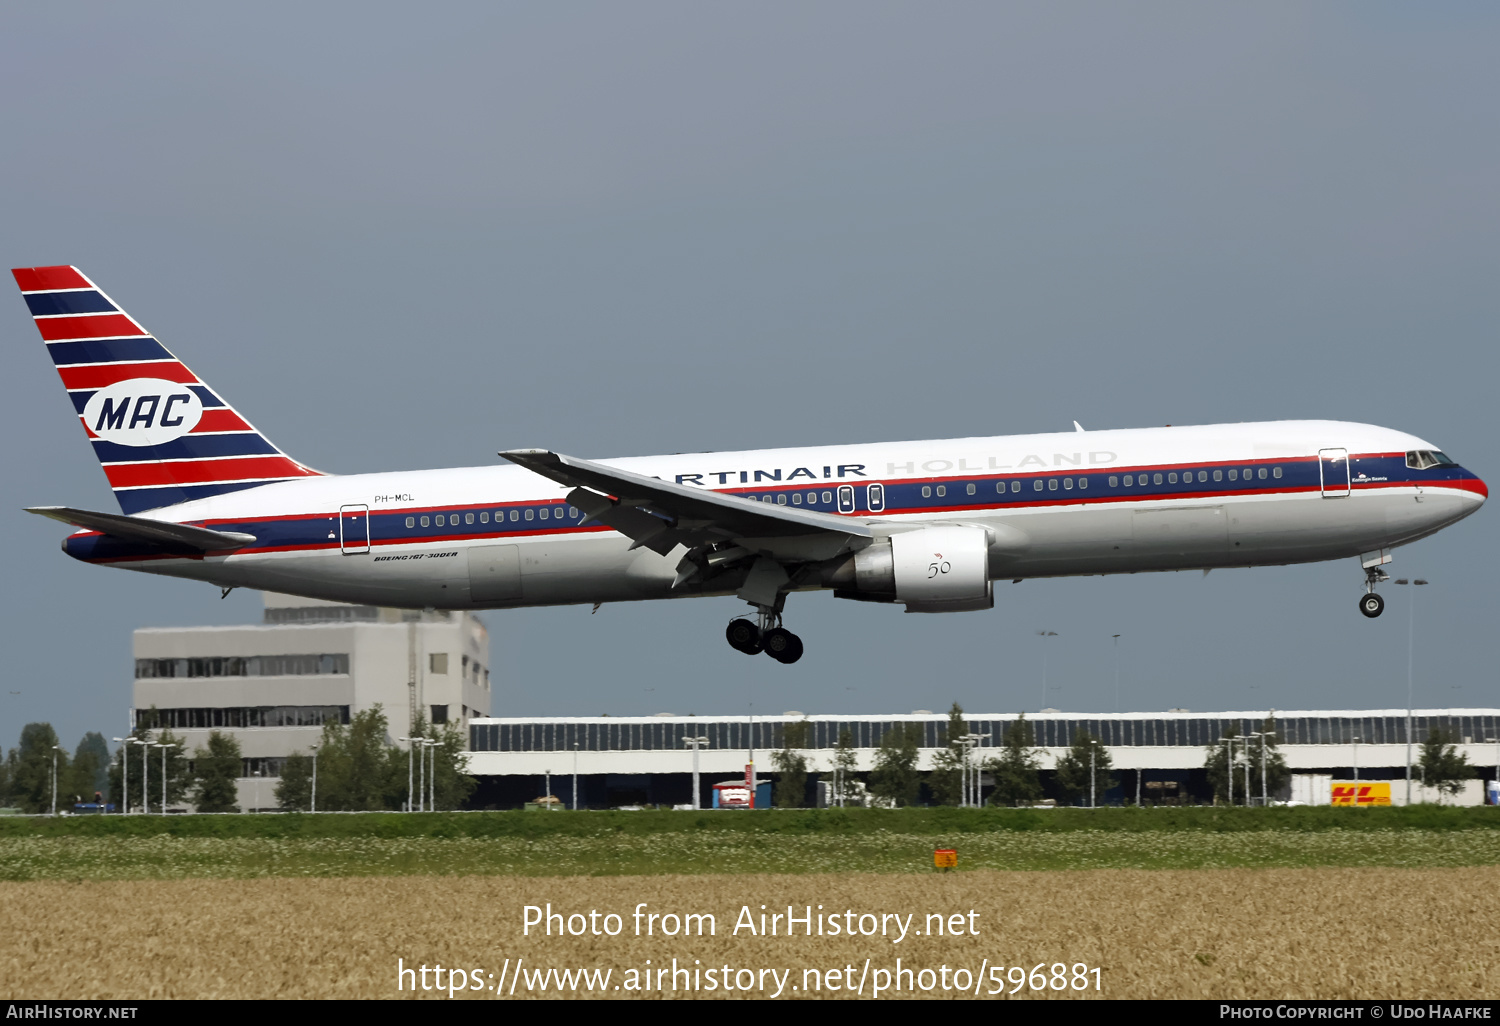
[{"x": 140, "y": 529}]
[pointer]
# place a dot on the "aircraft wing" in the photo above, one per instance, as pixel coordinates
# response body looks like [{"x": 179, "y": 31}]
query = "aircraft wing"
[
  {"x": 143, "y": 530},
  {"x": 661, "y": 514}
]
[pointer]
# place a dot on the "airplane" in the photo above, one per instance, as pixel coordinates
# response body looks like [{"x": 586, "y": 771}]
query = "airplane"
[{"x": 928, "y": 525}]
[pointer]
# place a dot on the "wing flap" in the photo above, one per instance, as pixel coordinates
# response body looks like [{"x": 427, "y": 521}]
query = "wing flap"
[{"x": 662, "y": 514}]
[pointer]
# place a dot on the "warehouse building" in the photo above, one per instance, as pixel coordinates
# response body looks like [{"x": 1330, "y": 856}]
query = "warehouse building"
[
  {"x": 623, "y": 761},
  {"x": 273, "y": 685}
]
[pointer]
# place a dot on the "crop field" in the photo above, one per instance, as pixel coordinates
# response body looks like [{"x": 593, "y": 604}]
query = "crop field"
[
  {"x": 1212, "y": 903},
  {"x": 1235, "y": 933}
]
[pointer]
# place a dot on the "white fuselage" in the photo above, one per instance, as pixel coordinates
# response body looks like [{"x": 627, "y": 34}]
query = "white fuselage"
[{"x": 1054, "y": 504}]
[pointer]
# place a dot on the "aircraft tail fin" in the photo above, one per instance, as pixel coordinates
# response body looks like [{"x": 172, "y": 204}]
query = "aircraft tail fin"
[{"x": 161, "y": 434}]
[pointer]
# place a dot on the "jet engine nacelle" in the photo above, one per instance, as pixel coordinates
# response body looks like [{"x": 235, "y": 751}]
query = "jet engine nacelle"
[{"x": 938, "y": 569}]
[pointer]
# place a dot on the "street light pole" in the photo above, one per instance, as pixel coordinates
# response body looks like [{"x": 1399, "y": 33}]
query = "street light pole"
[
  {"x": 1229, "y": 765},
  {"x": 432, "y": 746},
  {"x": 55, "y": 750},
  {"x": 124, "y": 775},
  {"x": 145, "y": 777},
  {"x": 697, "y": 743},
  {"x": 313, "y": 804},
  {"x": 1044, "y": 635},
  {"x": 1411, "y": 633},
  {"x": 410, "y": 793},
  {"x": 1092, "y": 747},
  {"x": 1117, "y": 671},
  {"x": 164, "y": 775},
  {"x": 575, "y": 776}
]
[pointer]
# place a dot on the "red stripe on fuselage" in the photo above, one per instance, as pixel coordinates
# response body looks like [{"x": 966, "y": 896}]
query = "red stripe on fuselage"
[
  {"x": 61, "y": 329},
  {"x": 40, "y": 279},
  {"x": 145, "y": 475},
  {"x": 103, "y": 374}
]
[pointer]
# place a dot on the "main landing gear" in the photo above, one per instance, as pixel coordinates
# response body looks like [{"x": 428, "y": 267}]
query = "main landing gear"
[
  {"x": 750, "y": 637},
  {"x": 1371, "y": 604}
]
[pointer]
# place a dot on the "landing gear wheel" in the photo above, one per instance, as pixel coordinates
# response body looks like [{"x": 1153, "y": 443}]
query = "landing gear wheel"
[
  {"x": 782, "y": 645},
  {"x": 743, "y": 636},
  {"x": 1372, "y": 605}
]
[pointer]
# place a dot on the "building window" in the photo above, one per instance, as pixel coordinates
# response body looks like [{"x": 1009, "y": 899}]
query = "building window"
[
  {"x": 245, "y": 666},
  {"x": 437, "y": 662},
  {"x": 440, "y": 714}
]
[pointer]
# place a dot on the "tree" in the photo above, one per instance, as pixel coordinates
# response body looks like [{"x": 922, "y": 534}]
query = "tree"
[
  {"x": 89, "y": 771},
  {"x": 356, "y": 768},
  {"x": 451, "y": 785},
  {"x": 1441, "y": 764},
  {"x": 1277, "y": 775},
  {"x": 1072, "y": 776},
  {"x": 1016, "y": 768},
  {"x": 895, "y": 777},
  {"x": 791, "y": 764},
  {"x": 845, "y": 760},
  {"x": 31, "y": 772},
  {"x": 216, "y": 774},
  {"x": 1216, "y": 765},
  {"x": 947, "y": 776}
]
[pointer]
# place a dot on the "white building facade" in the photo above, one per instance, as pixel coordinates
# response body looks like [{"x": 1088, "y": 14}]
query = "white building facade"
[{"x": 273, "y": 685}]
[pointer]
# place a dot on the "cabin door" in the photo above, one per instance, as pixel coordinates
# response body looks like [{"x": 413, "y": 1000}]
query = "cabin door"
[{"x": 1333, "y": 465}]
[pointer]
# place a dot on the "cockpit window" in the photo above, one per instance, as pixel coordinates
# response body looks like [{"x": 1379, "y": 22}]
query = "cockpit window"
[{"x": 1426, "y": 459}]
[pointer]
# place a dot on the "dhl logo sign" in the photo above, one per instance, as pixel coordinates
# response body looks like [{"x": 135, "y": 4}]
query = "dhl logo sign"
[{"x": 1351, "y": 793}]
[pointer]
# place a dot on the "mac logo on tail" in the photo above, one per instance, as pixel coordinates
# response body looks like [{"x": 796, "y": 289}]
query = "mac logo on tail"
[{"x": 142, "y": 411}]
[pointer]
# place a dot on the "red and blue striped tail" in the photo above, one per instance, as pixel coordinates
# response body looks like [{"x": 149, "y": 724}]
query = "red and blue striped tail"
[{"x": 163, "y": 436}]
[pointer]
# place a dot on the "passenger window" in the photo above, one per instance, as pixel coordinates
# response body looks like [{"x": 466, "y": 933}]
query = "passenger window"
[
  {"x": 440, "y": 520},
  {"x": 1156, "y": 479},
  {"x": 781, "y": 499},
  {"x": 1067, "y": 484},
  {"x": 573, "y": 513},
  {"x": 1083, "y": 482},
  {"x": 971, "y": 489},
  {"x": 875, "y": 496},
  {"x": 529, "y": 514},
  {"x": 796, "y": 498},
  {"x": 942, "y": 490},
  {"x": 411, "y": 521},
  {"x": 1249, "y": 473},
  {"x": 1036, "y": 485},
  {"x": 1000, "y": 487},
  {"x": 1202, "y": 475},
  {"x": 1218, "y": 475},
  {"x": 926, "y": 491},
  {"x": 1052, "y": 484},
  {"x": 1129, "y": 481},
  {"x": 468, "y": 518},
  {"x": 484, "y": 517},
  {"x": 1114, "y": 481},
  {"x": 514, "y": 516},
  {"x": 1262, "y": 473},
  {"x": 1172, "y": 478},
  {"x": 424, "y": 521},
  {"x": 543, "y": 513},
  {"x": 1275, "y": 471},
  {"x": 827, "y": 496},
  {"x": 1015, "y": 486},
  {"x": 1234, "y": 475}
]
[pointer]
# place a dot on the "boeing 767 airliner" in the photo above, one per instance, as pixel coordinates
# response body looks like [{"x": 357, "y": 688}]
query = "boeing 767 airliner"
[{"x": 928, "y": 524}]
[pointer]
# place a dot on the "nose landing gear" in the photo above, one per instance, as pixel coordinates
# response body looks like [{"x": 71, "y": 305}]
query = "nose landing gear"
[
  {"x": 1371, "y": 604},
  {"x": 775, "y": 641}
]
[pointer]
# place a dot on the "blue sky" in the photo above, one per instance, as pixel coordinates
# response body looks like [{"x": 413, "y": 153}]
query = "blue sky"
[{"x": 401, "y": 237}]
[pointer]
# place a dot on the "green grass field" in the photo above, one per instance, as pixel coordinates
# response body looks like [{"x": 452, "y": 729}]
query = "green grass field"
[{"x": 806, "y": 841}]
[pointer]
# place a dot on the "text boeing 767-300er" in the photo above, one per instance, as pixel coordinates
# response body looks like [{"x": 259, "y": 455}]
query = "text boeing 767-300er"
[{"x": 929, "y": 524}]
